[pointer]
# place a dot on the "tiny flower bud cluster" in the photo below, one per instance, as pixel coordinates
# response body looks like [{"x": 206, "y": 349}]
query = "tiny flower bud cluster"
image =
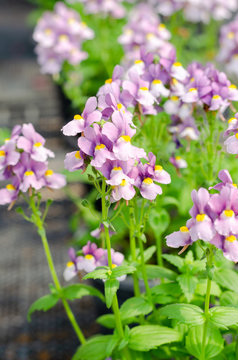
[
  {"x": 59, "y": 35},
  {"x": 107, "y": 129},
  {"x": 228, "y": 53},
  {"x": 91, "y": 258},
  {"x": 144, "y": 30},
  {"x": 214, "y": 219},
  {"x": 112, "y": 8},
  {"x": 198, "y": 10},
  {"x": 24, "y": 166}
]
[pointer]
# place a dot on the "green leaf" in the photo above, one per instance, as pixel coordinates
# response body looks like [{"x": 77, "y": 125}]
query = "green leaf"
[
  {"x": 224, "y": 316},
  {"x": 201, "y": 288},
  {"x": 147, "y": 337},
  {"x": 135, "y": 306},
  {"x": 198, "y": 266},
  {"x": 157, "y": 272},
  {"x": 159, "y": 220},
  {"x": 107, "y": 320},
  {"x": 185, "y": 313},
  {"x": 188, "y": 284},
  {"x": 111, "y": 287},
  {"x": 94, "y": 349},
  {"x": 213, "y": 343},
  {"x": 44, "y": 303},
  {"x": 229, "y": 298},
  {"x": 174, "y": 260},
  {"x": 169, "y": 200},
  {"x": 227, "y": 278},
  {"x": 166, "y": 289},
  {"x": 97, "y": 274},
  {"x": 77, "y": 291},
  {"x": 149, "y": 252},
  {"x": 122, "y": 270}
]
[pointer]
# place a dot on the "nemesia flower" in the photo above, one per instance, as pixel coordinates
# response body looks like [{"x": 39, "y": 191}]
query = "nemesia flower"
[
  {"x": 231, "y": 143},
  {"x": 178, "y": 162},
  {"x": 59, "y": 35},
  {"x": 113, "y": 8},
  {"x": 24, "y": 165},
  {"x": 214, "y": 219}
]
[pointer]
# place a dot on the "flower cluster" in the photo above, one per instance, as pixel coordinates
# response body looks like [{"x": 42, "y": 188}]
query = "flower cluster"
[
  {"x": 144, "y": 30},
  {"x": 113, "y": 8},
  {"x": 91, "y": 257},
  {"x": 106, "y": 129},
  {"x": 24, "y": 166},
  {"x": 59, "y": 36},
  {"x": 228, "y": 53},
  {"x": 214, "y": 218},
  {"x": 197, "y": 10}
]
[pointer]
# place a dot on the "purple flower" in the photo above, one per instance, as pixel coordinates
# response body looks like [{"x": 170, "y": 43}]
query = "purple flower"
[
  {"x": 179, "y": 238},
  {"x": 226, "y": 179}
]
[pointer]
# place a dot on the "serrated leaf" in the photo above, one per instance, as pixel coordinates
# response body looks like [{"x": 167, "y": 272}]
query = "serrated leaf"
[
  {"x": 111, "y": 287},
  {"x": 43, "y": 304},
  {"x": 157, "y": 272},
  {"x": 198, "y": 266},
  {"x": 97, "y": 274},
  {"x": 149, "y": 252},
  {"x": 188, "y": 284},
  {"x": 224, "y": 316},
  {"x": 184, "y": 313},
  {"x": 229, "y": 298},
  {"x": 94, "y": 349},
  {"x": 213, "y": 341},
  {"x": 107, "y": 320},
  {"x": 76, "y": 291},
  {"x": 122, "y": 270},
  {"x": 201, "y": 288},
  {"x": 148, "y": 337},
  {"x": 174, "y": 260},
  {"x": 135, "y": 306},
  {"x": 227, "y": 278}
]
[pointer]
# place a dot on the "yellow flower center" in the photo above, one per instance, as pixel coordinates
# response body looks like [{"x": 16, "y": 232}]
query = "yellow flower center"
[
  {"x": 49, "y": 172},
  {"x": 38, "y": 144},
  {"x": 89, "y": 257},
  {"x": 235, "y": 185},
  {"x": 177, "y": 64},
  {"x": 138, "y": 62},
  {"x": 228, "y": 213},
  {"x": 83, "y": 24},
  {"x": 230, "y": 35},
  {"x": 63, "y": 37},
  {"x": 77, "y": 155},
  {"x": 10, "y": 187},
  {"x": 144, "y": 88},
  {"x": 156, "y": 81},
  {"x": 200, "y": 217},
  {"x": 183, "y": 229},
  {"x": 192, "y": 89},
  {"x": 117, "y": 168},
  {"x": 48, "y": 31},
  {"x": 158, "y": 168},
  {"x": 192, "y": 79},
  {"x": 114, "y": 265},
  {"x": 232, "y": 86},
  {"x": 216, "y": 97},
  {"x": 123, "y": 183},
  {"x": 126, "y": 138},
  {"x": 99, "y": 147},
  {"x": 77, "y": 117},
  {"x": 162, "y": 26},
  {"x": 178, "y": 158},
  {"x": 174, "y": 98},
  {"x": 232, "y": 120},
  {"x": 148, "y": 181},
  {"x": 119, "y": 106},
  {"x": 236, "y": 135},
  {"x": 2, "y": 153},
  {"x": 231, "y": 238},
  {"x": 150, "y": 36},
  {"x": 29, "y": 173},
  {"x": 6, "y": 140},
  {"x": 70, "y": 263},
  {"x": 108, "y": 81},
  {"x": 174, "y": 81}
]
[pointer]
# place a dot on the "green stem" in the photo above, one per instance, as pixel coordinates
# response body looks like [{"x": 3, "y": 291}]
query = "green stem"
[
  {"x": 207, "y": 304},
  {"x": 115, "y": 306},
  {"x": 159, "y": 250},
  {"x": 133, "y": 249},
  {"x": 41, "y": 231}
]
